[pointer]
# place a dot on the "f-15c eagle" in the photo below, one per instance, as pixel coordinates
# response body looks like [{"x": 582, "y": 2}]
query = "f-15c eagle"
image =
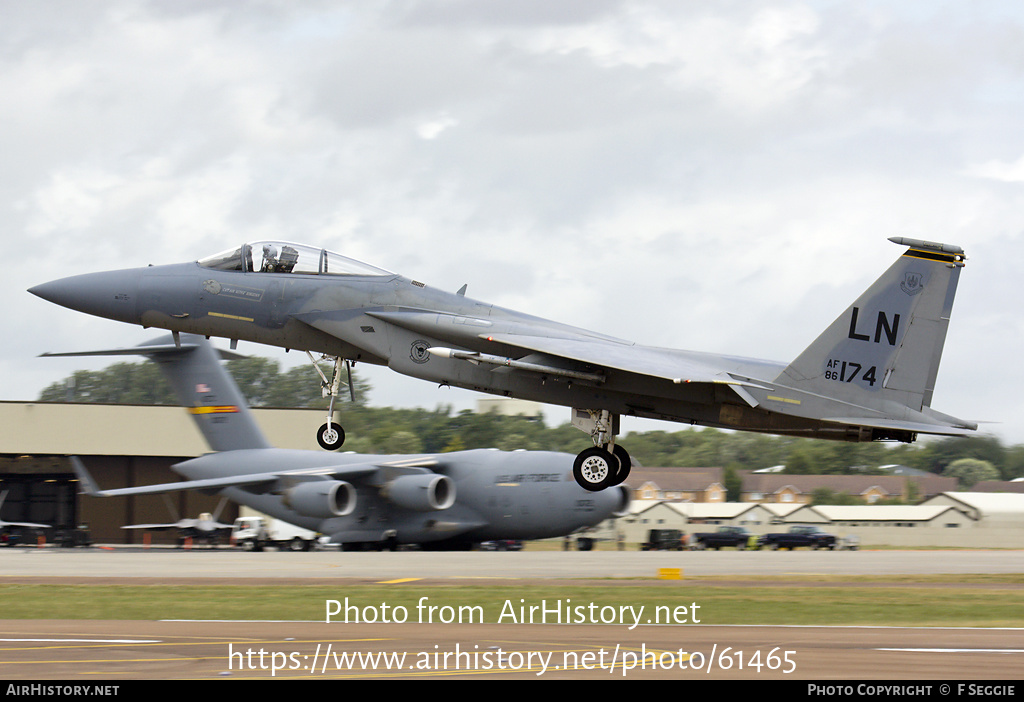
[{"x": 868, "y": 377}]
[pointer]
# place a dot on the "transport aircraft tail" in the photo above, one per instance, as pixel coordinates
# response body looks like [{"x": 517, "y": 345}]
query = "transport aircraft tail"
[{"x": 202, "y": 385}]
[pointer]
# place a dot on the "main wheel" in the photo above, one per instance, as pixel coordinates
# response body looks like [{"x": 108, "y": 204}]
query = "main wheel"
[
  {"x": 330, "y": 436},
  {"x": 625, "y": 463},
  {"x": 594, "y": 469}
]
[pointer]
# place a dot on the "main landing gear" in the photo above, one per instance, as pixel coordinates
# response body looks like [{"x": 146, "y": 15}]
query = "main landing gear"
[
  {"x": 331, "y": 436},
  {"x": 606, "y": 464}
]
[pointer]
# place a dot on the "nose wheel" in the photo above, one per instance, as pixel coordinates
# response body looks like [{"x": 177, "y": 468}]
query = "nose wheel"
[{"x": 330, "y": 436}]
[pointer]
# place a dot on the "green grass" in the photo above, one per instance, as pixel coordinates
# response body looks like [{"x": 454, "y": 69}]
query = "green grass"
[{"x": 892, "y": 601}]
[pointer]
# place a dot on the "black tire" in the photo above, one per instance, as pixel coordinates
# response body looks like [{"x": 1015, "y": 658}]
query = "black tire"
[
  {"x": 625, "y": 463},
  {"x": 330, "y": 437},
  {"x": 594, "y": 469}
]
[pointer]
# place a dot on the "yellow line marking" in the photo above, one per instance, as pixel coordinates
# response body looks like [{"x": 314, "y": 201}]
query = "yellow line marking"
[
  {"x": 230, "y": 316},
  {"x": 214, "y": 409}
]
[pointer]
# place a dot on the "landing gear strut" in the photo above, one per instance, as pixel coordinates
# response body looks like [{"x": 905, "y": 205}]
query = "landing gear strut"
[
  {"x": 331, "y": 436},
  {"x": 606, "y": 464}
]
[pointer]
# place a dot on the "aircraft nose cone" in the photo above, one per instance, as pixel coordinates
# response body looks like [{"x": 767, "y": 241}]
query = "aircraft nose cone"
[{"x": 112, "y": 294}]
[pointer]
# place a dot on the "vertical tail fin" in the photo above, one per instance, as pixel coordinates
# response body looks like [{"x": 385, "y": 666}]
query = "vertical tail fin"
[
  {"x": 202, "y": 385},
  {"x": 207, "y": 390},
  {"x": 886, "y": 347}
]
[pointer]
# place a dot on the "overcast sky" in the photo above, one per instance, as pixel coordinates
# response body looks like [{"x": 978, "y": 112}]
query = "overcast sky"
[{"x": 717, "y": 176}]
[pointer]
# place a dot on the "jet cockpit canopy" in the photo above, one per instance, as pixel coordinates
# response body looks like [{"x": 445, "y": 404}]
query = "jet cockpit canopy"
[{"x": 285, "y": 257}]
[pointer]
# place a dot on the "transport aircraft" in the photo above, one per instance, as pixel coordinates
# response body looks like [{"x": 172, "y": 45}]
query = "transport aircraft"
[{"x": 444, "y": 500}]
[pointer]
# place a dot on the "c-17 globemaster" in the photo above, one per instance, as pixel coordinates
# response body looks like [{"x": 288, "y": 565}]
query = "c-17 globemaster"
[
  {"x": 444, "y": 500},
  {"x": 868, "y": 377}
]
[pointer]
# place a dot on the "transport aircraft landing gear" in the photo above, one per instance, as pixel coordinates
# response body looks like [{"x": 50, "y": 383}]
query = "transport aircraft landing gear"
[
  {"x": 331, "y": 436},
  {"x": 606, "y": 464}
]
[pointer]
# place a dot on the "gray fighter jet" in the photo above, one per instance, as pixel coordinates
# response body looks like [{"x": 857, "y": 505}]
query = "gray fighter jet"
[
  {"x": 205, "y": 528},
  {"x": 445, "y": 500},
  {"x": 869, "y": 376}
]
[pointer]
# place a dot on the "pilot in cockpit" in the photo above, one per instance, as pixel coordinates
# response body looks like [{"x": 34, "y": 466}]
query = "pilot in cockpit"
[{"x": 269, "y": 259}]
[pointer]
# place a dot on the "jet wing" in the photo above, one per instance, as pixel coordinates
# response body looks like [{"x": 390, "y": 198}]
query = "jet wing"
[
  {"x": 152, "y": 527},
  {"x": 27, "y": 525},
  {"x": 197, "y": 524},
  {"x": 258, "y": 482},
  {"x": 211, "y": 484},
  {"x": 557, "y": 344},
  {"x": 622, "y": 356}
]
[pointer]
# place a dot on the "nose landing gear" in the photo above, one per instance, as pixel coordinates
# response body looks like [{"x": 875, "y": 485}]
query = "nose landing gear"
[{"x": 331, "y": 436}]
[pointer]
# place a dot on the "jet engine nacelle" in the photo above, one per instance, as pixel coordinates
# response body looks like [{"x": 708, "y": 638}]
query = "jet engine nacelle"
[
  {"x": 422, "y": 493},
  {"x": 321, "y": 498},
  {"x": 625, "y": 500}
]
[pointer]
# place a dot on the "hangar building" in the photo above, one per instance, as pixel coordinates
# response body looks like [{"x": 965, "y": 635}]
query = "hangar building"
[{"x": 122, "y": 446}]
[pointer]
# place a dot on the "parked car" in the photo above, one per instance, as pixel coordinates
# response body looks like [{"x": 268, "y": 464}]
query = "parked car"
[
  {"x": 735, "y": 536},
  {"x": 501, "y": 545},
  {"x": 664, "y": 540},
  {"x": 799, "y": 536}
]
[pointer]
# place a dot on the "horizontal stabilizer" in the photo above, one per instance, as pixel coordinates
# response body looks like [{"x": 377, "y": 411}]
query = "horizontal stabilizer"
[
  {"x": 916, "y": 427},
  {"x": 149, "y": 349}
]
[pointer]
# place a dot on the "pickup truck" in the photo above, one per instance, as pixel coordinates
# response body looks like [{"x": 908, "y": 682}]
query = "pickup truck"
[
  {"x": 799, "y": 536},
  {"x": 723, "y": 536}
]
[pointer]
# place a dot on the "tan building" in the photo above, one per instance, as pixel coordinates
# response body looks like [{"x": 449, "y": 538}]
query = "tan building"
[
  {"x": 708, "y": 485},
  {"x": 122, "y": 446}
]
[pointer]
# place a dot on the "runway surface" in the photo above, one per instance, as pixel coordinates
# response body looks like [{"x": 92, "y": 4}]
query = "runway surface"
[
  {"x": 96, "y": 651},
  {"x": 223, "y": 562}
]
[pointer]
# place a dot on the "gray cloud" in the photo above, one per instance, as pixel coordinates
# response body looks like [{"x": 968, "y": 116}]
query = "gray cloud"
[{"x": 719, "y": 177}]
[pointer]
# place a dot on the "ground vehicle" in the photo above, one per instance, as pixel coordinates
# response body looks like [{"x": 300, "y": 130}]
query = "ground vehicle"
[
  {"x": 798, "y": 536},
  {"x": 10, "y": 537},
  {"x": 253, "y": 533},
  {"x": 723, "y": 536},
  {"x": 72, "y": 537},
  {"x": 663, "y": 540},
  {"x": 502, "y": 545},
  {"x": 849, "y": 543}
]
